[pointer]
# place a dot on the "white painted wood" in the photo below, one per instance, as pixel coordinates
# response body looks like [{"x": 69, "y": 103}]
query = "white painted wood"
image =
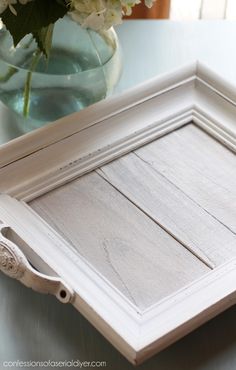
[
  {"x": 207, "y": 296},
  {"x": 213, "y": 9},
  {"x": 136, "y": 333},
  {"x": 119, "y": 240},
  {"x": 15, "y": 264},
  {"x": 192, "y": 94},
  {"x": 107, "y": 139},
  {"x": 185, "y": 182},
  {"x": 206, "y": 175},
  {"x": 109, "y": 310},
  {"x": 204, "y": 98},
  {"x": 80, "y": 121}
]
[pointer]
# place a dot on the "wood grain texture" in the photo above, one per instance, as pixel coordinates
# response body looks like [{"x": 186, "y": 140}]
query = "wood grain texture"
[
  {"x": 119, "y": 240},
  {"x": 15, "y": 264},
  {"x": 40, "y": 333},
  {"x": 186, "y": 182},
  {"x": 202, "y": 168}
]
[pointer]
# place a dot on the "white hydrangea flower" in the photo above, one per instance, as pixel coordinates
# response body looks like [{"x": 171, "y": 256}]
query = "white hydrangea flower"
[
  {"x": 149, "y": 3},
  {"x": 102, "y": 14},
  {"x": 97, "y": 14},
  {"x": 94, "y": 14},
  {"x": 127, "y": 6}
]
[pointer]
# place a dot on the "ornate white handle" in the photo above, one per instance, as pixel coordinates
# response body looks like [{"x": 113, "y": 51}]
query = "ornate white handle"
[{"x": 14, "y": 264}]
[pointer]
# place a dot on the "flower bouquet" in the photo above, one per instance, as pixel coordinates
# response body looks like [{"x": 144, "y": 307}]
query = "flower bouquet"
[{"x": 37, "y": 17}]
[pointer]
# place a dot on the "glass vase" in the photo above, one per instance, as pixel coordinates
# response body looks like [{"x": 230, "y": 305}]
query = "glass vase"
[{"x": 83, "y": 68}]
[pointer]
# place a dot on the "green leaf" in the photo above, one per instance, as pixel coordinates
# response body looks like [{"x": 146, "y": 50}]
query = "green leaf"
[
  {"x": 43, "y": 38},
  {"x": 32, "y": 17}
]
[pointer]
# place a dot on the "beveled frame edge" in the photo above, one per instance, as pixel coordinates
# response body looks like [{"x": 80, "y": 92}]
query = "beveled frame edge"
[
  {"x": 98, "y": 112},
  {"x": 192, "y": 93},
  {"x": 74, "y": 123},
  {"x": 154, "y": 114},
  {"x": 202, "y": 98},
  {"x": 137, "y": 334}
]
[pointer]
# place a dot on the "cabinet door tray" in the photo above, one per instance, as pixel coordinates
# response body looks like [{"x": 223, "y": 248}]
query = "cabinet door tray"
[{"x": 127, "y": 210}]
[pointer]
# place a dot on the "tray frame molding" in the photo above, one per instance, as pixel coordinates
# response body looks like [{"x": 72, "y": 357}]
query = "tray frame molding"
[{"x": 110, "y": 129}]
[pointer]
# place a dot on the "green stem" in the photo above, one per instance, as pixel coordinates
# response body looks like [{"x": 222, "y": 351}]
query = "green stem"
[
  {"x": 27, "y": 88},
  {"x": 11, "y": 71}
]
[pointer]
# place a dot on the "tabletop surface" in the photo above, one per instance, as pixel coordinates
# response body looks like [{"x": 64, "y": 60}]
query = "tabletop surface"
[{"x": 38, "y": 328}]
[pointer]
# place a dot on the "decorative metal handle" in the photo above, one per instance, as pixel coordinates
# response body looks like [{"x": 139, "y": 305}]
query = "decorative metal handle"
[{"x": 14, "y": 264}]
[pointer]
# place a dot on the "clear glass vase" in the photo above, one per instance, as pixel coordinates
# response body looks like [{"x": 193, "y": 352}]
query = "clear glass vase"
[{"x": 83, "y": 68}]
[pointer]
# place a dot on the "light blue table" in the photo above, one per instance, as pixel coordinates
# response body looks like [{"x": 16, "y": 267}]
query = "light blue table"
[{"x": 38, "y": 328}]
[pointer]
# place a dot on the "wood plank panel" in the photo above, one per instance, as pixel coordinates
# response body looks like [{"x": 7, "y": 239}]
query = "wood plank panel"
[
  {"x": 119, "y": 240},
  {"x": 185, "y": 181}
]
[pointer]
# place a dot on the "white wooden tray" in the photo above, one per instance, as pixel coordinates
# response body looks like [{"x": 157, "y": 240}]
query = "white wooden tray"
[{"x": 127, "y": 210}]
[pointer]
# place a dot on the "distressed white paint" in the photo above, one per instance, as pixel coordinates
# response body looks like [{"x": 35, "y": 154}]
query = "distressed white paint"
[
  {"x": 120, "y": 125},
  {"x": 134, "y": 253},
  {"x": 137, "y": 333},
  {"x": 15, "y": 264},
  {"x": 184, "y": 181}
]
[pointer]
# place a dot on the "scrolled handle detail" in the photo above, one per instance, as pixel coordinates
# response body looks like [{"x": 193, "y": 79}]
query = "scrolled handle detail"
[
  {"x": 11, "y": 262},
  {"x": 14, "y": 264}
]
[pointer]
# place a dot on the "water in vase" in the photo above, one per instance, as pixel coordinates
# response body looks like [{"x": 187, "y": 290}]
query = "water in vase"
[{"x": 75, "y": 76}]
